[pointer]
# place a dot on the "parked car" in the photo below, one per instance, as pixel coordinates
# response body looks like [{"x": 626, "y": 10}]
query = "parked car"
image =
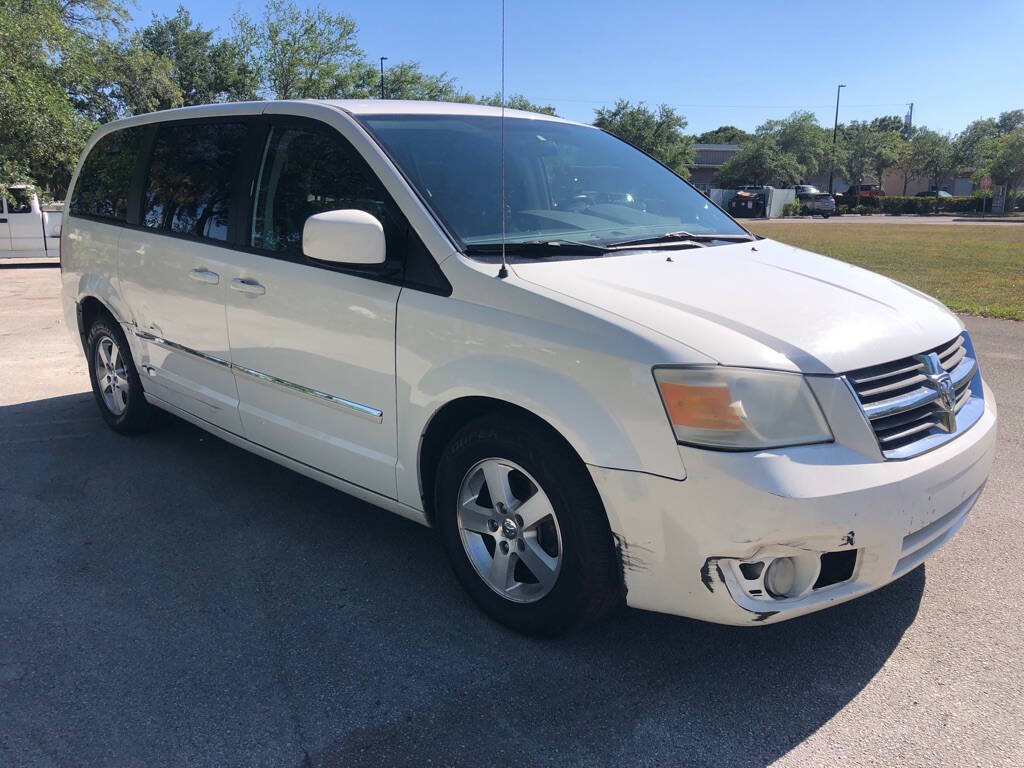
[
  {"x": 26, "y": 230},
  {"x": 816, "y": 202},
  {"x": 933, "y": 193},
  {"x": 853, "y": 192},
  {"x": 593, "y": 403}
]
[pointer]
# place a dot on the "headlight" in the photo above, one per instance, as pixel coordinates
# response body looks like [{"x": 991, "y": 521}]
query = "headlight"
[{"x": 740, "y": 408}]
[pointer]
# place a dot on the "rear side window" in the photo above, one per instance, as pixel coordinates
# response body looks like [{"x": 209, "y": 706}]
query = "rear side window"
[
  {"x": 106, "y": 176},
  {"x": 188, "y": 189},
  {"x": 308, "y": 170},
  {"x": 19, "y": 201}
]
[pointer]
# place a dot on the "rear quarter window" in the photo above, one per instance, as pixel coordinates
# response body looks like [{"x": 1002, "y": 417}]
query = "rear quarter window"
[{"x": 105, "y": 181}]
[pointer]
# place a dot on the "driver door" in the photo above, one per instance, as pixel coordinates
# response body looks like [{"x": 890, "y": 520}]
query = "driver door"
[{"x": 313, "y": 344}]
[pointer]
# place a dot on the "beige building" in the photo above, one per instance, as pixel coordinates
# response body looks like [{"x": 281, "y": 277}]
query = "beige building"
[{"x": 893, "y": 184}]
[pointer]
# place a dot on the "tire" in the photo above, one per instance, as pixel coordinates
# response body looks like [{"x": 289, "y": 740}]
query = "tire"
[
  {"x": 579, "y": 580},
  {"x": 115, "y": 381}
]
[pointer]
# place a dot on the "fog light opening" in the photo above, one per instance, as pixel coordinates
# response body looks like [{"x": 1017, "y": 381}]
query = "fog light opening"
[{"x": 780, "y": 576}]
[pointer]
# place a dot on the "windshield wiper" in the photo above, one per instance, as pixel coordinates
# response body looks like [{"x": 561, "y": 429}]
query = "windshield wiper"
[
  {"x": 680, "y": 235},
  {"x": 536, "y": 248}
]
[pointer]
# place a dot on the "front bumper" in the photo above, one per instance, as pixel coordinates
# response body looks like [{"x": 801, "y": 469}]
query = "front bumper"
[{"x": 681, "y": 542}]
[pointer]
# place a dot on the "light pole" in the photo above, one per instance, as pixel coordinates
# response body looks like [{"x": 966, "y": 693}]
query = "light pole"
[
  {"x": 835, "y": 128},
  {"x": 382, "y": 60}
]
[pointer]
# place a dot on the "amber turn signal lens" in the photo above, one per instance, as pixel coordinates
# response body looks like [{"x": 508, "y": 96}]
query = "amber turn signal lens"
[{"x": 700, "y": 407}]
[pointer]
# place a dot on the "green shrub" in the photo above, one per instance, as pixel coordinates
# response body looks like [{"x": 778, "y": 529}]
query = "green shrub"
[
  {"x": 792, "y": 209},
  {"x": 922, "y": 205}
]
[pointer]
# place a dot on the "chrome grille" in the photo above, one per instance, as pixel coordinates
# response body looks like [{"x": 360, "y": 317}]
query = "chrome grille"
[{"x": 903, "y": 405}]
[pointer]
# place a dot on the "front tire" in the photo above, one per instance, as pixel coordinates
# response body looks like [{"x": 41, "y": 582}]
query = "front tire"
[
  {"x": 115, "y": 382},
  {"x": 524, "y": 528}
]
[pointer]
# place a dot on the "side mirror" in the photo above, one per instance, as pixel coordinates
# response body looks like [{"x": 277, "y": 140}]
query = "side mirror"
[{"x": 344, "y": 237}]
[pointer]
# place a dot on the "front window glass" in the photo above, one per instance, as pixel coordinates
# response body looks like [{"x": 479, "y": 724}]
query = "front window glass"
[
  {"x": 308, "y": 169},
  {"x": 189, "y": 183},
  {"x": 562, "y": 181}
]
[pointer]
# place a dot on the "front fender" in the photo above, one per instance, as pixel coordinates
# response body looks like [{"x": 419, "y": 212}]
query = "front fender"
[
  {"x": 590, "y": 380},
  {"x": 594, "y": 431}
]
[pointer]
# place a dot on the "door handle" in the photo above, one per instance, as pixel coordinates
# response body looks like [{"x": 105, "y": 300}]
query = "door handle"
[
  {"x": 244, "y": 285},
  {"x": 204, "y": 276},
  {"x": 3, "y": 221}
]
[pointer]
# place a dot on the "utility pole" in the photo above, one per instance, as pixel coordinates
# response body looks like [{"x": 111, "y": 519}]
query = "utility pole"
[
  {"x": 835, "y": 129},
  {"x": 908, "y": 129},
  {"x": 382, "y": 60}
]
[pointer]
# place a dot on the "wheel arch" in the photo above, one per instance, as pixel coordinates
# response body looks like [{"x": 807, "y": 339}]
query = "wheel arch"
[
  {"x": 453, "y": 416},
  {"x": 89, "y": 308}
]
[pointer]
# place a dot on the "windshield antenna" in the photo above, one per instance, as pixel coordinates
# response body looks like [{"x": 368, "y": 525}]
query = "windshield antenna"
[{"x": 503, "y": 272}]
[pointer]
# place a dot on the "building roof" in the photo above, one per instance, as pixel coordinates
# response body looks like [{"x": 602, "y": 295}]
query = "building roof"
[{"x": 713, "y": 155}]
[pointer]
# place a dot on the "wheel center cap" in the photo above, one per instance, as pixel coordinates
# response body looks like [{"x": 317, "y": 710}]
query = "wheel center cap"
[{"x": 509, "y": 528}]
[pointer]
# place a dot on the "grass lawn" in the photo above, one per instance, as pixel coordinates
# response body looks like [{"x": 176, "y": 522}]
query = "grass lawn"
[{"x": 975, "y": 269}]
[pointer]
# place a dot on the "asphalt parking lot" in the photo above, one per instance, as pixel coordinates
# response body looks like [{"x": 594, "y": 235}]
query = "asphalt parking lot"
[{"x": 173, "y": 600}]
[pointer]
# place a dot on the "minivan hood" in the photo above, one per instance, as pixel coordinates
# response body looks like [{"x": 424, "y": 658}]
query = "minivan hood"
[{"x": 761, "y": 303}]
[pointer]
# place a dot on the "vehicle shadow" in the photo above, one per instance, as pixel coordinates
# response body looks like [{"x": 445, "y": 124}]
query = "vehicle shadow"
[
  {"x": 173, "y": 592},
  {"x": 13, "y": 264}
]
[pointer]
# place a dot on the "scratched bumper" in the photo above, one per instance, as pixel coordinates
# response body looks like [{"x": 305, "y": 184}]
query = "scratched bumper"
[{"x": 681, "y": 541}]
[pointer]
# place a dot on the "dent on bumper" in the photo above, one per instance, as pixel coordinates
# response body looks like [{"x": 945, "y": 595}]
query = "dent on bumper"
[{"x": 681, "y": 541}]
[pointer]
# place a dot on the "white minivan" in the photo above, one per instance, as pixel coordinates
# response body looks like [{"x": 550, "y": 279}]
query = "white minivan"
[{"x": 642, "y": 403}]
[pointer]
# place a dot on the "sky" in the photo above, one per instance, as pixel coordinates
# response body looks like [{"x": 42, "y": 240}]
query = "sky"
[{"x": 737, "y": 62}]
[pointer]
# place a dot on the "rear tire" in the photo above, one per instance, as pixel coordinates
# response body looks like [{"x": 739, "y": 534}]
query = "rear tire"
[
  {"x": 541, "y": 572},
  {"x": 115, "y": 381}
]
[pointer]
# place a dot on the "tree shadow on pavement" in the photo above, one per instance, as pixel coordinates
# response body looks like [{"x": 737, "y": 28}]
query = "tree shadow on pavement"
[{"x": 171, "y": 598}]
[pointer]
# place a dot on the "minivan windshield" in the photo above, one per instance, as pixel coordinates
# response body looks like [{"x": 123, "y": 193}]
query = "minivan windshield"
[{"x": 564, "y": 183}]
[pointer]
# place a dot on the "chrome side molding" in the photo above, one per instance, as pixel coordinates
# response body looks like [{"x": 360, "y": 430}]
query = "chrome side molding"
[
  {"x": 187, "y": 350},
  {"x": 358, "y": 409}
]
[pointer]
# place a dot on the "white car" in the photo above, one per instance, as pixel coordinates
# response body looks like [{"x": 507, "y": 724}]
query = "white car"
[
  {"x": 647, "y": 404},
  {"x": 27, "y": 231}
]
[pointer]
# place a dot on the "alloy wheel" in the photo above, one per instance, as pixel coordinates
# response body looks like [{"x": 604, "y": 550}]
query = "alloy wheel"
[
  {"x": 509, "y": 530},
  {"x": 111, "y": 376}
]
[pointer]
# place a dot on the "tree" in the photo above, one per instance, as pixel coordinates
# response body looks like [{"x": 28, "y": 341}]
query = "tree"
[
  {"x": 517, "y": 101},
  {"x": 934, "y": 157},
  {"x": 855, "y": 154},
  {"x": 886, "y": 151},
  {"x": 800, "y": 135},
  {"x": 1007, "y": 164},
  {"x": 726, "y": 134},
  {"x": 298, "y": 53},
  {"x": 887, "y": 124},
  {"x": 905, "y": 162},
  {"x": 1010, "y": 121},
  {"x": 408, "y": 81},
  {"x": 205, "y": 71},
  {"x": 141, "y": 80},
  {"x": 659, "y": 134},
  {"x": 973, "y": 146},
  {"x": 44, "y": 60},
  {"x": 760, "y": 161}
]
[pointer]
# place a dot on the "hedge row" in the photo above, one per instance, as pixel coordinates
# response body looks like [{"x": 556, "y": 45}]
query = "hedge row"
[
  {"x": 914, "y": 205},
  {"x": 965, "y": 204}
]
